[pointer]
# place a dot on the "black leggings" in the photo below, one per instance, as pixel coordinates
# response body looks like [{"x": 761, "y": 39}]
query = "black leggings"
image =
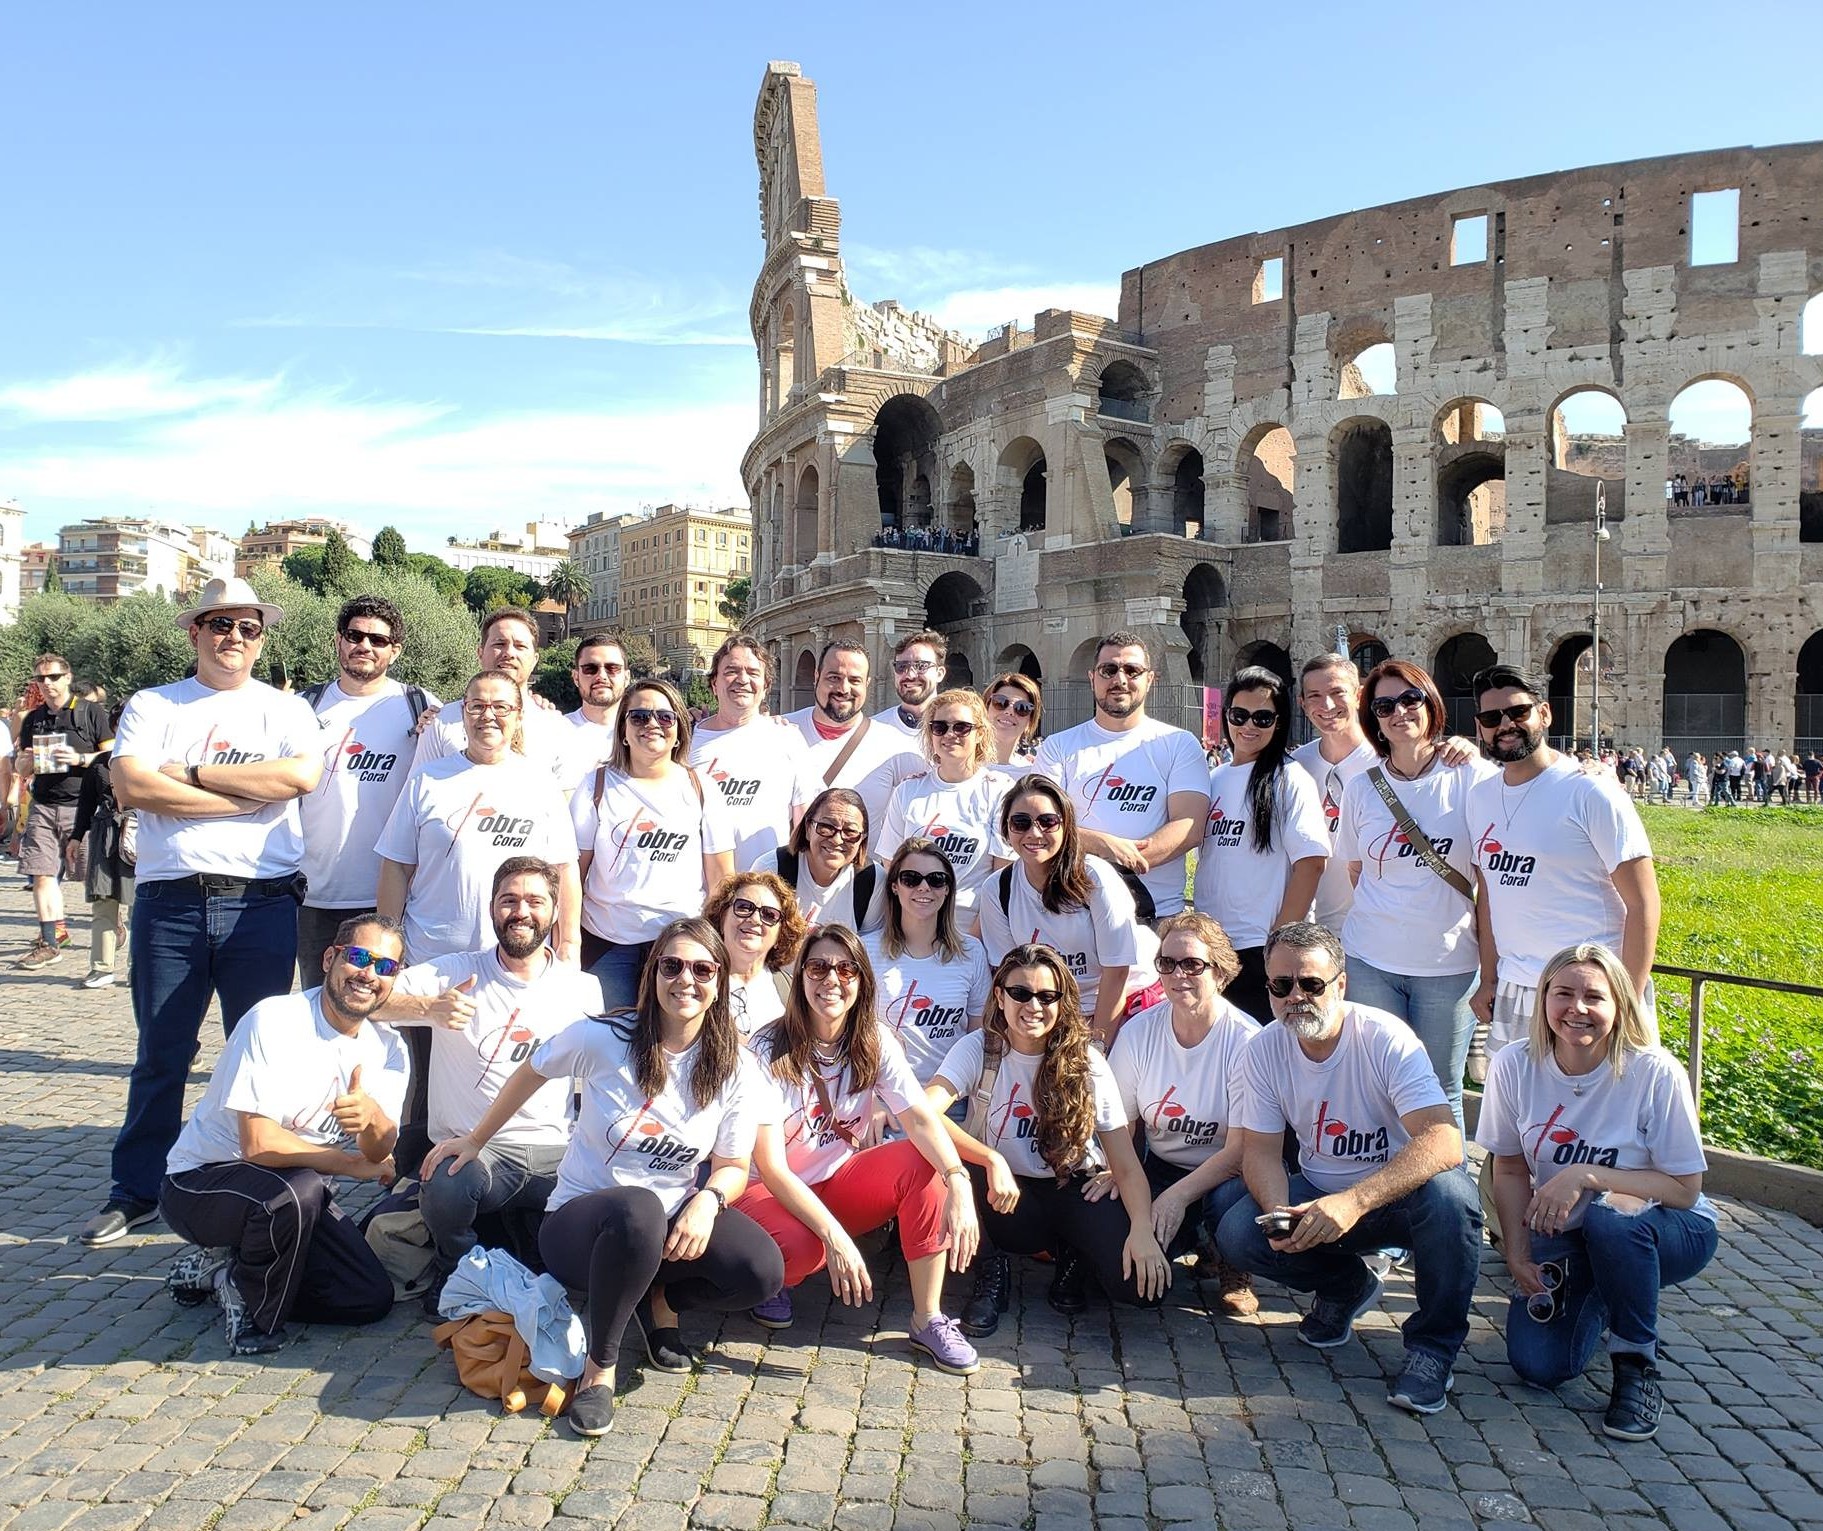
[
  {"x": 611, "y": 1245},
  {"x": 1247, "y": 992},
  {"x": 1055, "y": 1217}
]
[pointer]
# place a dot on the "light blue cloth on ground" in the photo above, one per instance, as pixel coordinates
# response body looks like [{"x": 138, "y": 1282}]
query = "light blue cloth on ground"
[{"x": 491, "y": 1280}]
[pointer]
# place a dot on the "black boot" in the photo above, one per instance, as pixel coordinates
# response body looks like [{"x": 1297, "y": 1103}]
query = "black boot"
[
  {"x": 1634, "y": 1401},
  {"x": 993, "y": 1293},
  {"x": 1069, "y": 1292}
]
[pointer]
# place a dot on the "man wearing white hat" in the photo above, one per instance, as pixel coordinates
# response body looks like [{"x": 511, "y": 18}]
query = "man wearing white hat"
[{"x": 215, "y": 765}]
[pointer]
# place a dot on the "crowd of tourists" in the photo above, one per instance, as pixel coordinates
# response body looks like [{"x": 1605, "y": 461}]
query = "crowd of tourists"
[{"x": 709, "y": 1001}]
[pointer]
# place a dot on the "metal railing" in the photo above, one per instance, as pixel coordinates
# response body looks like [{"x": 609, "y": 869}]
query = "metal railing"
[{"x": 1699, "y": 980}]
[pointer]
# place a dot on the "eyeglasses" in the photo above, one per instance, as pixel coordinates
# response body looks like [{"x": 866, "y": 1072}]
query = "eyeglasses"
[
  {"x": 482, "y": 709},
  {"x": 1541, "y": 1307},
  {"x": 840, "y": 832},
  {"x": 1115, "y": 671},
  {"x": 360, "y": 957},
  {"x": 702, "y": 970},
  {"x": 603, "y": 668},
  {"x": 960, "y": 727},
  {"x": 1280, "y": 988},
  {"x": 1386, "y": 706},
  {"x": 356, "y": 637},
  {"x": 222, "y": 627},
  {"x": 1190, "y": 967},
  {"x": 913, "y": 666},
  {"x": 1024, "y": 823},
  {"x": 1517, "y": 713},
  {"x": 905, "y": 877},
  {"x": 53, "y": 675},
  {"x": 1019, "y": 994},
  {"x": 1264, "y": 717},
  {"x": 767, "y": 914},
  {"x": 1017, "y": 704},
  {"x": 819, "y": 968},
  {"x": 643, "y": 717}
]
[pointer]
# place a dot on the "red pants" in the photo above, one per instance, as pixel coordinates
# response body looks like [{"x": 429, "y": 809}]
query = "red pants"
[{"x": 892, "y": 1180}]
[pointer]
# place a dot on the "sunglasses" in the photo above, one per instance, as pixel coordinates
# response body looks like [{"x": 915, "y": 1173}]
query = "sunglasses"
[
  {"x": 360, "y": 957},
  {"x": 819, "y": 968},
  {"x": 1018, "y": 705},
  {"x": 357, "y": 637},
  {"x": 1115, "y": 671},
  {"x": 222, "y": 627},
  {"x": 642, "y": 717},
  {"x": 1023, "y": 823},
  {"x": 912, "y": 666},
  {"x": 1190, "y": 967},
  {"x": 1541, "y": 1307},
  {"x": 1280, "y": 988},
  {"x": 766, "y": 914},
  {"x": 961, "y": 727},
  {"x": 602, "y": 668},
  {"x": 831, "y": 831},
  {"x": 1517, "y": 713},
  {"x": 702, "y": 970},
  {"x": 1386, "y": 706},
  {"x": 905, "y": 877},
  {"x": 1264, "y": 717},
  {"x": 53, "y": 675},
  {"x": 1019, "y": 994}
]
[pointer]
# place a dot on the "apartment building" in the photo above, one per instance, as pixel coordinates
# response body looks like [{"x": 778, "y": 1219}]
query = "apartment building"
[{"x": 674, "y": 569}]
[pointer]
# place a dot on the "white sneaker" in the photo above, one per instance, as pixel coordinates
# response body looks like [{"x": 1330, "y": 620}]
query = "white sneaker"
[
  {"x": 1478, "y": 1053},
  {"x": 100, "y": 979}
]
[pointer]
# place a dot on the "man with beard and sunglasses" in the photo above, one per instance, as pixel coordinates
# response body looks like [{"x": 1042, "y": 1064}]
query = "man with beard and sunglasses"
[
  {"x": 601, "y": 674},
  {"x": 1379, "y": 1158},
  {"x": 489, "y": 1009},
  {"x": 918, "y": 670},
  {"x": 1561, "y": 858},
  {"x": 306, "y": 1089}
]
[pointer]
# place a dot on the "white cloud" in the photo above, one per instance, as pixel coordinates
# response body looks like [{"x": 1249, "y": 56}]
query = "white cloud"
[
  {"x": 129, "y": 391},
  {"x": 977, "y": 310}
]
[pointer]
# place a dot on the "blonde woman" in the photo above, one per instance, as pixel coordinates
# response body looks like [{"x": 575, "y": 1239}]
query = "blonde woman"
[{"x": 1598, "y": 1175}]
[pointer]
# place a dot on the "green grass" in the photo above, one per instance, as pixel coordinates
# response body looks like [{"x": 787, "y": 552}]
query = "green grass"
[{"x": 1743, "y": 893}]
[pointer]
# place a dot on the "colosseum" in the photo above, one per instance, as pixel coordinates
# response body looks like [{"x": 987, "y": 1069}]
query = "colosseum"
[{"x": 1391, "y": 428}]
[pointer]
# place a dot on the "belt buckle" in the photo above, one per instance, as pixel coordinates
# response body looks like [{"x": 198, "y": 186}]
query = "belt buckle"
[{"x": 217, "y": 886}]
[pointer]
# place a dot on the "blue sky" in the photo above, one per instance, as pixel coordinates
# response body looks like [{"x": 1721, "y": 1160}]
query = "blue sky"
[{"x": 459, "y": 266}]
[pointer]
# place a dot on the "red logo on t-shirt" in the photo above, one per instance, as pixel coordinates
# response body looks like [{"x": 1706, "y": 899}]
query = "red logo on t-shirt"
[
  {"x": 1515, "y": 870},
  {"x": 1567, "y": 1145},
  {"x": 1017, "y": 1111}
]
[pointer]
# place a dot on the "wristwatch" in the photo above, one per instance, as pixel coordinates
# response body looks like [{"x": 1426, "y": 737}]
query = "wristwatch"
[{"x": 190, "y": 772}]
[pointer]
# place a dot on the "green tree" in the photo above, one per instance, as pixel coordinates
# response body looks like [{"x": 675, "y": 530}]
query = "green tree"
[
  {"x": 51, "y": 621},
  {"x": 138, "y": 643},
  {"x": 53, "y": 581},
  {"x": 448, "y": 580},
  {"x": 304, "y": 567},
  {"x": 736, "y": 599},
  {"x": 552, "y": 679},
  {"x": 389, "y": 548},
  {"x": 303, "y": 640},
  {"x": 340, "y": 567},
  {"x": 491, "y": 587},
  {"x": 569, "y": 586},
  {"x": 642, "y": 658}
]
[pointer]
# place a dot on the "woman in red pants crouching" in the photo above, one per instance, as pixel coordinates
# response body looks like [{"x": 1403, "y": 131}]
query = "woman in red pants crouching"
[{"x": 830, "y": 1072}]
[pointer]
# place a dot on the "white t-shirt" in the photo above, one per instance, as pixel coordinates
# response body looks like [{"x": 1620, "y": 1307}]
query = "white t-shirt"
[
  {"x": 1644, "y": 1120},
  {"x": 625, "y": 1137},
  {"x": 879, "y": 745},
  {"x": 285, "y": 1062},
  {"x": 367, "y": 748},
  {"x": 760, "y": 770},
  {"x": 927, "y": 1002},
  {"x": 1104, "y": 934},
  {"x": 1547, "y": 851},
  {"x": 1237, "y": 886},
  {"x": 834, "y": 905},
  {"x": 1184, "y": 1098},
  {"x": 1405, "y": 918},
  {"x": 756, "y": 1003},
  {"x": 814, "y": 1148},
  {"x": 1012, "y": 1120},
  {"x": 189, "y": 722},
  {"x": 649, "y": 837},
  {"x": 1335, "y": 893},
  {"x": 1348, "y": 1109},
  {"x": 591, "y": 746},
  {"x": 511, "y": 1018},
  {"x": 455, "y": 822},
  {"x": 550, "y": 742},
  {"x": 962, "y": 817},
  {"x": 1122, "y": 785},
  {"x": 890, "y": 719}
]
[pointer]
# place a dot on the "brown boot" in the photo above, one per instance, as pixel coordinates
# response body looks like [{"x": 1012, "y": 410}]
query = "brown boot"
[{"x": 1235, "y": 1289}]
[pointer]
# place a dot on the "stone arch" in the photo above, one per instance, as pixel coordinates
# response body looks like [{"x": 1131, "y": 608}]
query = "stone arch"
[
  {"x": 1126, "y": 476},
  {"x": 1273, "y": 656},
  {"x": 1571, "y": 687},
  {"x": 959, "y": 512},
  {"x": 1810, "y": 461},
  {"x": 1587, "y": 442},
  {"x": 804, "y": 513},
  {"x": 1468, "y": 440},
  {"x": 1366, "y": 364},
  {"x": 785, "y": 351},
  {"x": 905, "y": 435},
  {"x": 1710, "y": 445},
  {"x": 1180, "y": 474},
  {"x": 1458, "y": 659},
  {"x": 1268, "y": 463},
  {"x": 804, "y": 680},
  {"x": 1019, "y": 659},
  {"x": 1124, "y": 392},
  {"x": 1361, "y": 452},
  {"x": 1367, "y": 650},
  {"x": 1205, "y": 594},
  {"x": 953, "y": 600},
  {"x": 1082, "y": 660},
  {"x": 1705, "y": 692},
  {"x": 1023, "y": 472},
  {"x": 1810, "y": 327},
  {"x": 1810, "y": 694}
]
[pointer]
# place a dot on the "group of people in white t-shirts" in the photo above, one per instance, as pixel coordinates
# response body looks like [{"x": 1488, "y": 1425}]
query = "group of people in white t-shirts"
[{"x": 807, "y": 976}]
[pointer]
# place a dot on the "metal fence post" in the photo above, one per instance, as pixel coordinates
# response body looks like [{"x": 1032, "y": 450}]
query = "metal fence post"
[{"x": 1697, "y": 986}]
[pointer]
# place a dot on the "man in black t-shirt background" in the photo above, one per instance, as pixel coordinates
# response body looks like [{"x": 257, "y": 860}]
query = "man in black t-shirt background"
[{"x": 55, "y": 774}]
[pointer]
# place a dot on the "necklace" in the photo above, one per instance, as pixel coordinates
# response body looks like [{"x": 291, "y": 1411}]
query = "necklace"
[
  {"x": 1413, "y": 776},
  {"x": 1512, "y": 807}
]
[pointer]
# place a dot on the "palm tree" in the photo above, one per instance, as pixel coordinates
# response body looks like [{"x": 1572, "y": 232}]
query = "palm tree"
[{"x": 570, "y": 585}]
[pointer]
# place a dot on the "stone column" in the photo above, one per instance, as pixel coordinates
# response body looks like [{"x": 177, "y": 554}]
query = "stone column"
[
  {"x": 1646, "y": 532},
  {"x": 1522, "y": 548},
  {"x": 1225, "y": 506},
  {"x": 1777, "y": 461}
]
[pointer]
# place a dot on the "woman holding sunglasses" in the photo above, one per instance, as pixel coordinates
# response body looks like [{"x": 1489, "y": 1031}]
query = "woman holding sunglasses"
[
  {"x": 664, "y": 1090},
  {"x": 933, "y": 980},
  {"x": 653, "y": 841},
  {"x": 1015, "y": 709},
  {"x": 1044, "y": 1115},
  {"x": 828, "y": 1066},
  {"x": 1267, "y": 841},
  {"x": 1059, "y": 896},
  {"x": 1598, "y": 1174},
  {"x": 825, "y": 861},
  {"x": 1404, "y": 835},
  {"x": 758, "y": 917},
  {"x": 956, "y": 803}
]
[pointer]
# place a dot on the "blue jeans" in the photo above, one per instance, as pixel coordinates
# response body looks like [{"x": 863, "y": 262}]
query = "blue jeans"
[
  {"x": 1440, "y": 1223},
  {"x": 1207, "y": 1210},
  {"x": 186, "y": 947},
  {"x": 1616, "y": 1264},
  {"x": 505, "y": 1177},
  {"x": 619, "y": 969},
  {"x": 1436, "y": 1006}
]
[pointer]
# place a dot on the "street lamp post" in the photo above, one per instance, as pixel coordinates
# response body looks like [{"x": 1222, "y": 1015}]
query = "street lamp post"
[{"x": 1601, "y": 535}]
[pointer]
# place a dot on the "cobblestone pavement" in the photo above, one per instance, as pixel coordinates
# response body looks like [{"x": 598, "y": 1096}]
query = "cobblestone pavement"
[{"x": 119, "y": 1409}]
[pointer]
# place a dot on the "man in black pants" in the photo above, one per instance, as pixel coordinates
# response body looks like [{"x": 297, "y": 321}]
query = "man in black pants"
[{"x": 306, "y": 1088}]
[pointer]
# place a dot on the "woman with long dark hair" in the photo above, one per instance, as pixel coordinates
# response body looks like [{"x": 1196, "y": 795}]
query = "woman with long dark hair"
[
  {"x": 1266, "y": 840},
  {"x": 664, "y": 1088}
]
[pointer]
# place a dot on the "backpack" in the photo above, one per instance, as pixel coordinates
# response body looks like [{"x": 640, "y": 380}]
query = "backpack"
[
  {"x": 866, "y": 875},
  {"x": 415, "y": 698}
]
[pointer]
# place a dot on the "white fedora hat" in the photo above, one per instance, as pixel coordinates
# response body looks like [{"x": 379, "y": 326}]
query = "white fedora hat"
[{"x": 222, "y": 594}]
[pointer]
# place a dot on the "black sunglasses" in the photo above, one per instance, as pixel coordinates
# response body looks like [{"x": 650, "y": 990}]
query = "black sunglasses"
[
  {"x": 766, "y": 914},
  {"x": 961, "y": 728},
  {"x": 360, "y": 957},
  {"x": 840, "y": 832},
  {"x": 1265, "y": 717},
  {"x": 1021, "y": 823},
  {"x": 1517, "y": 713},
  {"x": 702, "y": 970},
  {"x": 605, "y": 667},
  {"x": 664, "y": 717},
  {"x": 1111, "y": 671},
  {"x": 1386, "y": 706},
  {"x": 905, "y": 877},
  {"x": 1280, "y": 988},
  {"x": 357, "y": 636},
  {"x": 1021, "y": 995},
  {"x": 245, "y": 626},
  {"x": 1190, "y": 967},
  {"x": 1003, "y": 703}
]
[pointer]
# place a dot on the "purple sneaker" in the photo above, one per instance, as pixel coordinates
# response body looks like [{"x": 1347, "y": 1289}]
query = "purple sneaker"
[
  {"x": 941, "y": 1339},
  {"x": 775, "y": 1311}
]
